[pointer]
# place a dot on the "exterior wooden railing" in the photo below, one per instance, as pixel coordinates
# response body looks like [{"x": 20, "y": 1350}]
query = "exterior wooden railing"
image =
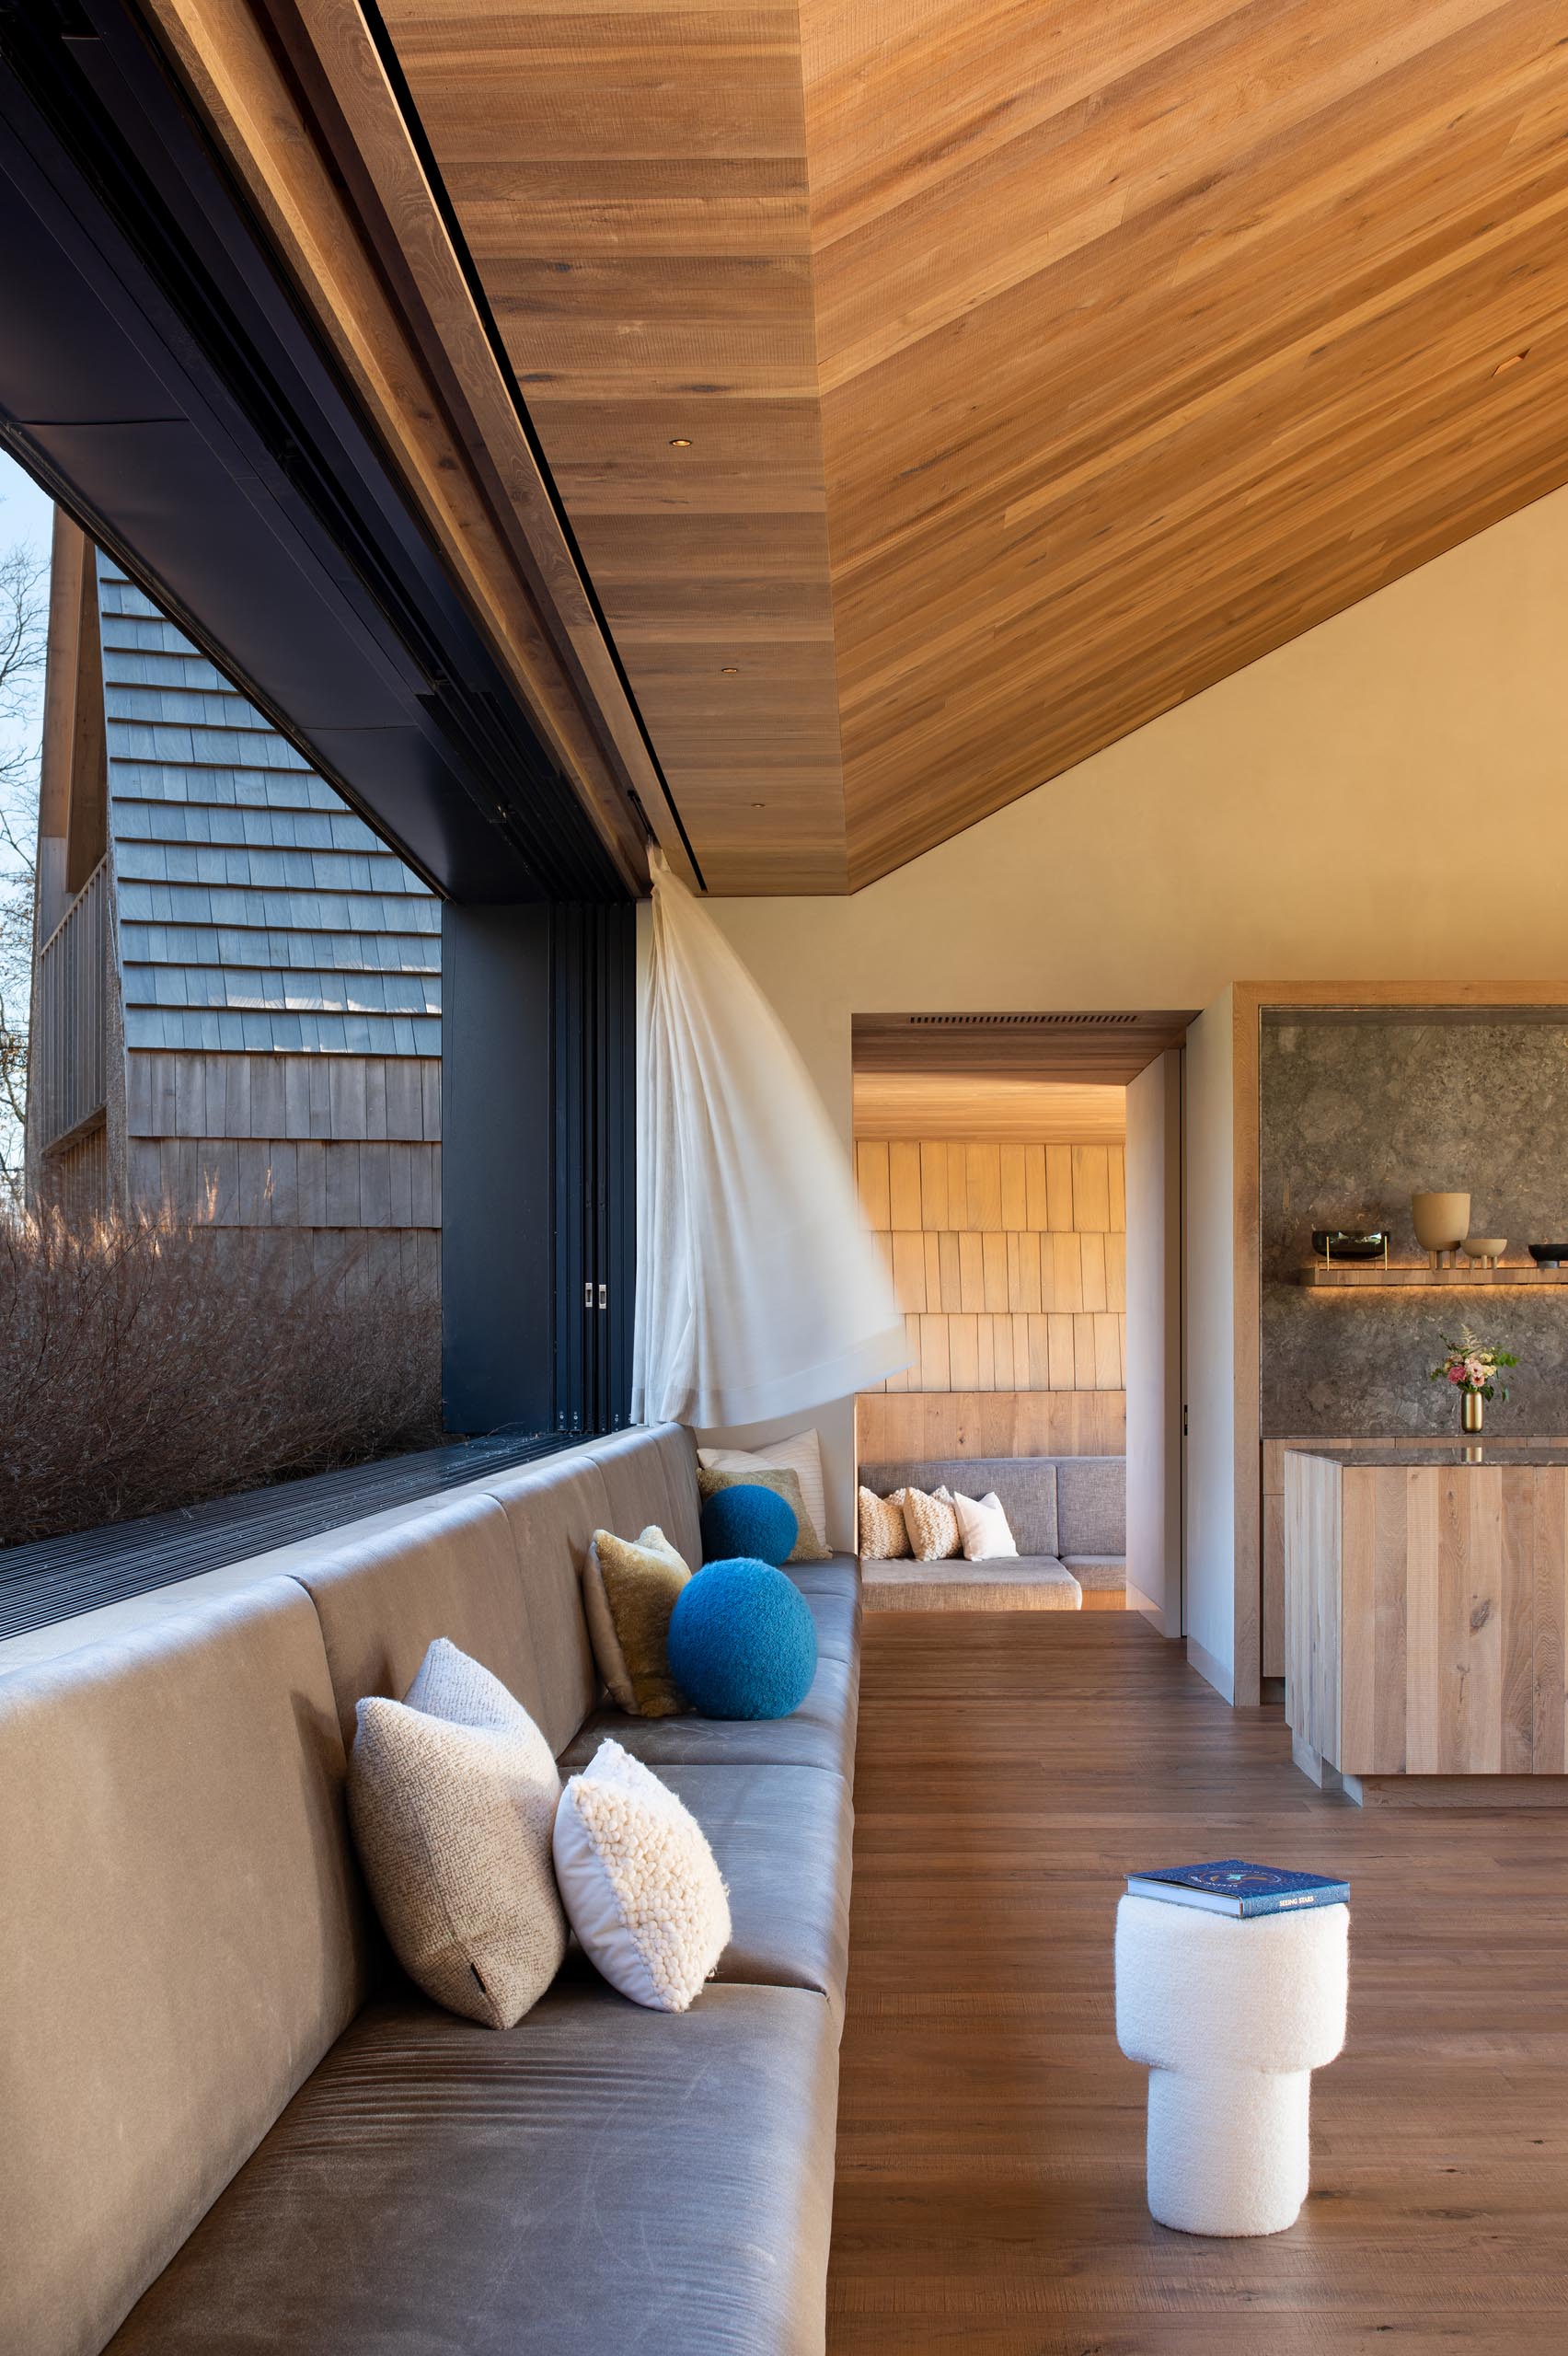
[{"x": 68, "y": 1051}]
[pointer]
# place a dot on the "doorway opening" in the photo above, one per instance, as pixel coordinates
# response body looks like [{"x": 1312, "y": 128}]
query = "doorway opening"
[{"x": 1023, "y": 1174}]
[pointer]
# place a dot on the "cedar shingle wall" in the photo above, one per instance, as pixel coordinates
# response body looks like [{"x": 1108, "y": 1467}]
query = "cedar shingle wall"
[
  {"x": 1009, "y": 1261},
  {"x": 280, "y": 970}
]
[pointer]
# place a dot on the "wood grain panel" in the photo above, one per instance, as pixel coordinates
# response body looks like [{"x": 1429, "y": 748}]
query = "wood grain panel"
[
  {"x": 896, "y": 1426},
  {"x": 1273, "y": 1455},
  {"x": 1549, "y": 1623},
  {"x": 1312, "y": 1501},
  {"x": 903, "y": 1183},
  {"x": 1015, "y": 1111},
  {"x": 632, "y": 186},
  {"x": 1205, "y": 315},
  {"x": 1425, "y": 1606}
]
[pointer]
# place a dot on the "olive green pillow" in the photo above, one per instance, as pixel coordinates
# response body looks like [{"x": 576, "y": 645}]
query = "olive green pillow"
[
  {"x": 629, "y": 1592},
  {"x": 784, "y": 1482}
]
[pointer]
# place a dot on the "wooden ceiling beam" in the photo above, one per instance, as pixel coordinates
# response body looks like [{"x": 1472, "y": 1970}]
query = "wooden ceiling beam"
[
  {"x": 1028, "y": 1111},
  {"x": 1107, "y": 1049}
]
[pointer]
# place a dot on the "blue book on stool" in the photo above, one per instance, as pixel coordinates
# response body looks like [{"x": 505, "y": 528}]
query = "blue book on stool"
[{"x": 1231, "y": 1885}]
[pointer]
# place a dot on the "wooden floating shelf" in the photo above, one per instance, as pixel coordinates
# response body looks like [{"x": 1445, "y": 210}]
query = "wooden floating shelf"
[{"x": 1371, "y": 1275}]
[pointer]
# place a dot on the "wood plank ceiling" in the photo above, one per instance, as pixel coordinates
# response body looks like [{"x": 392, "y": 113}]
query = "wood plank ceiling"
[
  {"x": 939, "y": 391},
  {"x": 947, "y": 1104}
]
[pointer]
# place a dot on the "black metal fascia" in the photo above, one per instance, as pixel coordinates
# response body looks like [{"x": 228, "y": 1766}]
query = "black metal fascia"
[{"x": 159, "y": 376}]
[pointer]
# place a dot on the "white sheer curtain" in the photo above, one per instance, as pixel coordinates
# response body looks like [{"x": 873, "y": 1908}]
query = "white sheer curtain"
[{"x": 759, "y": 1290}]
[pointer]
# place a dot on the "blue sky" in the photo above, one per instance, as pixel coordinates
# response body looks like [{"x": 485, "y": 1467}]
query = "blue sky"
[{"x": 25, "y": 513}]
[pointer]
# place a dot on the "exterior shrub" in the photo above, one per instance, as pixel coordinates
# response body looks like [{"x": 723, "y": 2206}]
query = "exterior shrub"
[{"x": 147, "y": 1365}]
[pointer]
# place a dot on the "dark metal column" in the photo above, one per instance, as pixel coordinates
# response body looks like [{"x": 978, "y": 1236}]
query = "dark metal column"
[{"x": 538, "y": 1166}]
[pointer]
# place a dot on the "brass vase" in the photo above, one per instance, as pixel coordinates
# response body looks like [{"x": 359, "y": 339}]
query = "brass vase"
[{"x": 1472, "y": 1410}]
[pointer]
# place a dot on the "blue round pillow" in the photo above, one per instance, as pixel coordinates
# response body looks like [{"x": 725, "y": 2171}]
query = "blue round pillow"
[
  {"x": 742, "y": 1642},
  {"x": 751, "y": 1521}
]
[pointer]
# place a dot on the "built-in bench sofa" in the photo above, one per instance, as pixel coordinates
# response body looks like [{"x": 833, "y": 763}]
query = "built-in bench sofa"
[
  {"x": 229, "y": 2125},
  {"x": 1067, "y": 1514}
]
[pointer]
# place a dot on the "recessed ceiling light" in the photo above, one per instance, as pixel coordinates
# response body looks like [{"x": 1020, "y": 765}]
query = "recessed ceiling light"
[
  {"x": 680, "y": 441},
  {"x": 759, "y": 805},
  {"x": 1512, "y": 362},
  {"x": 729, "y": 671}
]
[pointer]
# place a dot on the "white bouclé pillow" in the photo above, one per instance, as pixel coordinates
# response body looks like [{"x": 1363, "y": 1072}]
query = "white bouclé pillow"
[
  {"x": 641, "y": 1888},
  {"x": 983, "y": 1527}
]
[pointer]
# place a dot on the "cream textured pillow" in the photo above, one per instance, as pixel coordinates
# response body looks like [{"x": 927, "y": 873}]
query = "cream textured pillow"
[
  {"x": 983, "y": 1527},
  {"x": 640, "y": 1881},
  {"x": 801, "y": 1455},
  {"x": 884, "y": 1533},
  {"x": 451, "y": 1796},
  {"x": 932, "y": 1525},
  {"x": 629, "y": 1592}
]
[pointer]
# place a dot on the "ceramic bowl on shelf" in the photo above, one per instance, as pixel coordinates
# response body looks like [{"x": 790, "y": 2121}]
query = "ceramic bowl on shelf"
[
  {"x": 1484, "y": 1247},
  {"x": 1441, "y": 1221},
  {"x": 1349, "y": 1243},
  {"x": 1548, "y": 1255}
]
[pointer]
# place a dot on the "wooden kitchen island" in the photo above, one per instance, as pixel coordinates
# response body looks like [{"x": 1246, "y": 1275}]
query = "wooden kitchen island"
[{"x": 1425, "y": 1616}]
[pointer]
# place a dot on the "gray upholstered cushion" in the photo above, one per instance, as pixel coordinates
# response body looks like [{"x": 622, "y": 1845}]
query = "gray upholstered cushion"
[
  {"x": 1098, "y": 1574},
  {"x": 1024, "y": 1582},
  {"x": 599, "y": 2177},
  {"x": 1026, "y": 1485},
  {"x": 839, "y": 1575},
  {"x": 1091, "y": 1504},
  {"x": 836, "y": 1619},
  {"x": 820, "y": 1733},
  {"x": 383, "y": 1595},
  {"x": 649, "y": 1474},
  {"x": 832, "y": 1589}
]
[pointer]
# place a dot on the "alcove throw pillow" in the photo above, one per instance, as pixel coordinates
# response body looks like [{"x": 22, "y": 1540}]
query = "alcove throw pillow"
[
  {"x": 742, "y": 1642},
  {"x": 746, "y": 1519},
  {"x": 640, "y": 1881},
  {"x": 451, "y": 1796},
  {"x": 629, "y": 1592},
  {"x": 799, "y": 1454},
  {"x": 808, "y": 1547},
  {"x": 983, "y": 1527},
  {"x": 932, "y": 1525},
  {"x": 884, "y": 1533}
]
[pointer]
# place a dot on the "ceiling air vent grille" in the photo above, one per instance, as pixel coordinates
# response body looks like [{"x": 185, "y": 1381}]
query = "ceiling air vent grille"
[{"x": 1024, "y": 1021}]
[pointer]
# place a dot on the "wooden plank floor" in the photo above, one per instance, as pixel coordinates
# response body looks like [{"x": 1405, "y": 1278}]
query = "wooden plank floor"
[{"x": 1011, "y": 1768}]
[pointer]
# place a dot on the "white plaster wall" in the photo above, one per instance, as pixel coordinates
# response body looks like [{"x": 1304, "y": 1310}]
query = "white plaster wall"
[{"x": 1370, "y": 802}]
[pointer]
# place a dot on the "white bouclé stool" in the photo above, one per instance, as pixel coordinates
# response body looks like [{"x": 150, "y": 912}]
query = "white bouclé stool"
[{"x": 1231, "y": 2018}]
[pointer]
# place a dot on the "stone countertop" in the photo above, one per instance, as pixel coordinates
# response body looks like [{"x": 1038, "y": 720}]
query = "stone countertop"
[{"x": 1380, "y": 1454}]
